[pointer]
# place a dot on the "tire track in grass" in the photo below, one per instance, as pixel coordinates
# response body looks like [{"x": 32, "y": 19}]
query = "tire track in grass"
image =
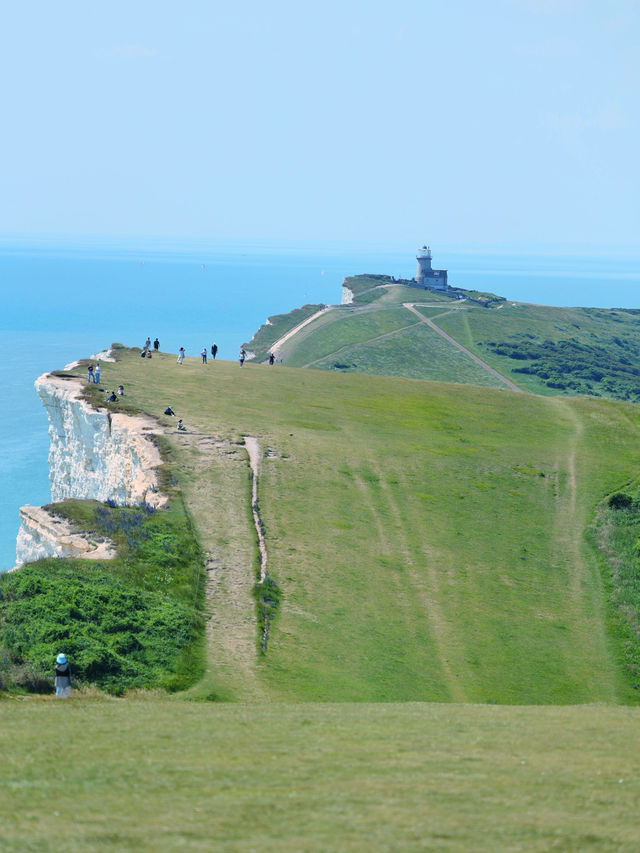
[
  {"x": 429, "y": 594},
  {"x": 584, "y": 605},
  {"x": 404, "y": 595}
]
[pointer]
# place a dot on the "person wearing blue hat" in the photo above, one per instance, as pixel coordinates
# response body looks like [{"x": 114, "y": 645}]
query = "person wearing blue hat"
[{"x": 63, "y": 679}]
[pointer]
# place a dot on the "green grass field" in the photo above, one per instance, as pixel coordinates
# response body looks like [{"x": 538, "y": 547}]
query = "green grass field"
[
  {"x": 124, "y": 775},
  {"x": 430, "y": 540},
  {"x": 452, "y": 654}
]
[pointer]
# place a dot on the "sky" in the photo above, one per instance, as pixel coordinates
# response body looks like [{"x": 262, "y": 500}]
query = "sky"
[{"x": 508, "y": 122}]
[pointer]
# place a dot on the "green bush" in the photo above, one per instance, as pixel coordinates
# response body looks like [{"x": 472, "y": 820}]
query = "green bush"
[{"x": 134, "y": 621}]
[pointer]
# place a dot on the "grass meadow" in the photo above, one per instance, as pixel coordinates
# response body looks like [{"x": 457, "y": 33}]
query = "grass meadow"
[
  {"x": 113, "y": 775},
  {"x": 430, "y": 541}
]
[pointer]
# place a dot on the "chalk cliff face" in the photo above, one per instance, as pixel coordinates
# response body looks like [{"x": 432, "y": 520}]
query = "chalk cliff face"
[
  {"x": 96, "y": 454},
  {"x": 347, "y": 295},
  {"x": 93, "y": 454}
]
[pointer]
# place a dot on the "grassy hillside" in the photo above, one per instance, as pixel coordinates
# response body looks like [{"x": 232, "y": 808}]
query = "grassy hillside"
[
  {"x": 550, "y": 351},
  {"x": 429, "y": 540}
]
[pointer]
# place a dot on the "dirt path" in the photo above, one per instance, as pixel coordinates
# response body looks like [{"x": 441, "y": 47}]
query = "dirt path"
[
  {"x": 255, "y": 454},
  {"x": 215, "y": 486},
  {"x": 410, "y": 306},
  {"x": 275, "y": 348}
]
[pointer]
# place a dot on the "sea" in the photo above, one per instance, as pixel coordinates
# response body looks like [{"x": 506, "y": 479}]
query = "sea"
[{"x": 67, "y": 299}]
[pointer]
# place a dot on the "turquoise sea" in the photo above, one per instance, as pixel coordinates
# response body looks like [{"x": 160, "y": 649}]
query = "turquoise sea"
[{"x": 62, "y": 302}]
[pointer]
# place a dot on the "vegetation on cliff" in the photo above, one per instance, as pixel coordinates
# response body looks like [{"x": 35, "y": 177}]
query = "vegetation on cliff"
[{"x": 133, "y": 621}]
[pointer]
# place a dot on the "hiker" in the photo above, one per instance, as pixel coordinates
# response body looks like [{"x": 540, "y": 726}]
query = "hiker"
[
  {"x": 272, "y": 358},
  {"x": 156, "y": 345},
  {"x": 214, "y": 351},
  {"x": 112, "y": 398},
  {"x": 90, "y": 373},
  {"x": 147, "y": 344},
  {"x": 181, "y": 426},
  {"x": 243, "y": 355},
  {"x": 203, "y": 353},
  {"x": 120, "y": 390},
  {"x": 148, "y": 353},
  {"x": 169, "y": 411},
  {"x": 180, "y": 355},
  {"x": 96, "y": 374},
  {"x": 63, "y": 680}
]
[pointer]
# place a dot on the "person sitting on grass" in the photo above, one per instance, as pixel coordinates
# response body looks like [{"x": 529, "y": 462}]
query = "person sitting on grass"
[
  {"x": 120, "y": 390},
  {"x": 169, "y": 411},
  {"x": 181, "y": 426},
  {"x": 112, "y": 398}
]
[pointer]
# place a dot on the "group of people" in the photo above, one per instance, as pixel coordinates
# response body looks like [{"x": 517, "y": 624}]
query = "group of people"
[
  {"x": 204, "y": 353},
  {"x": 179, "y": 425},
  {"x": 93, "y": 374},
  {"x": 93, "y": 377}
]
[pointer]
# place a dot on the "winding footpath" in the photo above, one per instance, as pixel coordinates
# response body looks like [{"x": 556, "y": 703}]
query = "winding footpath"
[{"x": 411, "y": 306}]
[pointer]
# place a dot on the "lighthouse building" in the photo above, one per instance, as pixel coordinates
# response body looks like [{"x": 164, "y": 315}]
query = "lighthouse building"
[{"x": 426, "y": 276}]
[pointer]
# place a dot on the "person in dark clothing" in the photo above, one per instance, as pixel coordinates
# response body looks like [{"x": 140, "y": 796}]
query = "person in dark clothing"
[
  {"x": 169, "y": 411},
  {"x": 63, "y": 679},
  {"x": 112, "y": 398},
  {"x": 214, "y": 351},
  {"x": 156, "y": 345},
  {"x": 272, "y": 358}
]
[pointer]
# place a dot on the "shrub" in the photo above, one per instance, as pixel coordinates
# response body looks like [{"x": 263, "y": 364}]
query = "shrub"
[{"x": 620, "y": 501}]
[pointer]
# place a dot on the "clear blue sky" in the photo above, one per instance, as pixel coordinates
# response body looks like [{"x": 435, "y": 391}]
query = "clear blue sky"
[{"x": 510, "y": 121}]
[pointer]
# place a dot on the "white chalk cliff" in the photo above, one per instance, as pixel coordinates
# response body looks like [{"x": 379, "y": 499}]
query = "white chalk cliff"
[{"x": 93, "y": 454}]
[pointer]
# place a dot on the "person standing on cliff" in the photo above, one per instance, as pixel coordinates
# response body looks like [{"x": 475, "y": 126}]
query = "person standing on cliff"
[
  {"x": 96, "y": 374},
  {"x": 90, "y": 373},
  {"x": 63, "y": 680},
  {"x": 204, "y": 355},
  {"x": 180, "y": 355},
  {"x": 214, "y": 351},
  {"x": 156, "y": 345}
]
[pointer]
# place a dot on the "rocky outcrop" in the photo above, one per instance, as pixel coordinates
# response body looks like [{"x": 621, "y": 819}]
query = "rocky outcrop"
[
  {"x": 93, "y": 453},
  {"x": 42, "y": 534}
]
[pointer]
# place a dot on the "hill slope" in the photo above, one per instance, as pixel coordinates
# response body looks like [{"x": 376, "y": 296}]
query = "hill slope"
[
  {"x": 429, "y": 540},
  {"x": 541, "y": 349}
]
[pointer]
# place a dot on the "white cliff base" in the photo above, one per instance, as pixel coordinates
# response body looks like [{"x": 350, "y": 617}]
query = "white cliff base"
[
  {"x": 42, "y": 534},
  {"x": 93, "y": 454}
]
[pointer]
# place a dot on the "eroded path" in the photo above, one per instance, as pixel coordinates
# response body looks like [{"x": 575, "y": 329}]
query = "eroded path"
[{"x": 216, "y": 486}]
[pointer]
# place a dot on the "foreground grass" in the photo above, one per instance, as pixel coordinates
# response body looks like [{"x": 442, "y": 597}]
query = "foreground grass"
[{"x": 159, "y": 775}]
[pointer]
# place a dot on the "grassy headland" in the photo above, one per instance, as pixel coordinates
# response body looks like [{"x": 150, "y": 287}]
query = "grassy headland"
[
  {"x": 429, "y": 540},
  {"x": 550, "y": 351}
]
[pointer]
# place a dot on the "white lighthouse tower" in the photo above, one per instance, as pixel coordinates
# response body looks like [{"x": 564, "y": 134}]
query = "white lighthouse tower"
[
  {"x": 424, "y": 264},
  {"x": 426, "y": 276}
]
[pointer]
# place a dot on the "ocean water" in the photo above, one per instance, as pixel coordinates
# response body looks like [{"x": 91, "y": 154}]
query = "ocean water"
[{"x": 60, "y": 303}]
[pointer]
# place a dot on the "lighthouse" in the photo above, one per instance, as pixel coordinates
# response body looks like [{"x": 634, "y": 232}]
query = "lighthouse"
[{"x": 426, "y": 276}]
